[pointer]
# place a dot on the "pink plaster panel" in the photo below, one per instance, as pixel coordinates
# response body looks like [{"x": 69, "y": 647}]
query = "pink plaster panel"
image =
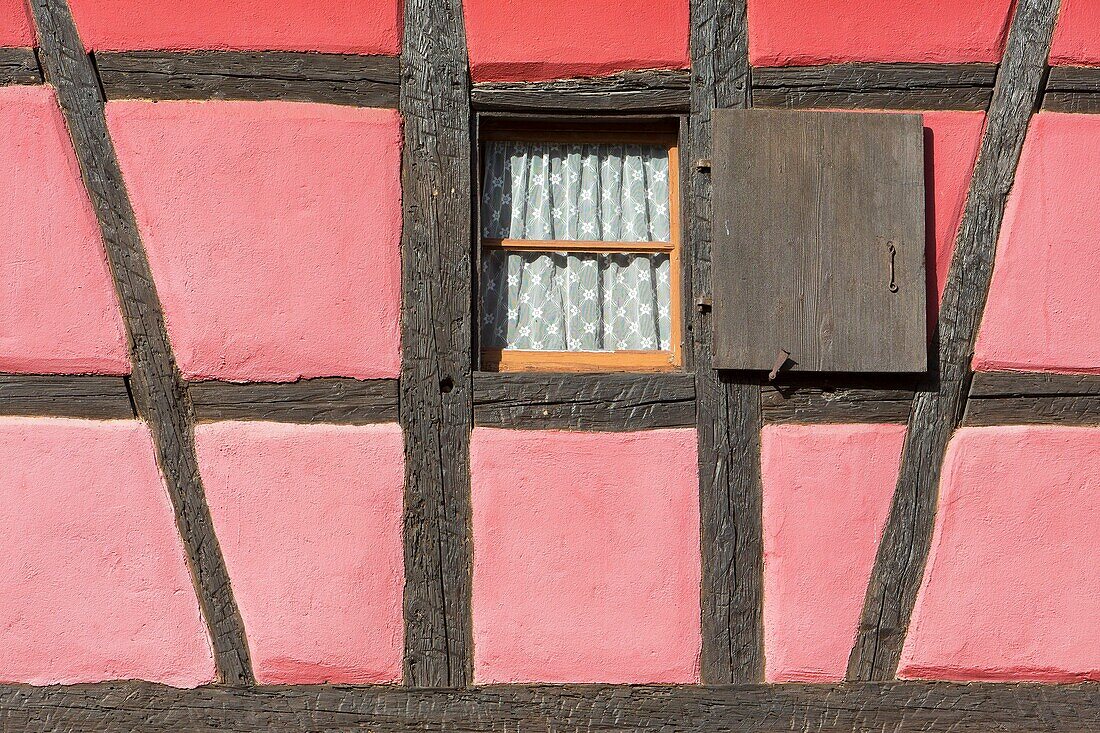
[
  {"x": 954, "y": 139},
  {"x": 309, "y": 519},
  {"x": 586, "y": 556},
  {"x": 93, "y": 579},
  {"x": 533, "y": 40},
  {"x": 15, "y": 24},
  {"x": 1010, "y": 589},
  {"x": 273, "y": 231},
  {"x": 1043, "y": 303},
  {"x": 827, "y": 493},
  {"x": 58, "y": 309},
  {"x": 801, "y": 33},
  {"x": 1077, "y": 35},
  {"x": 337, "y": 26}
]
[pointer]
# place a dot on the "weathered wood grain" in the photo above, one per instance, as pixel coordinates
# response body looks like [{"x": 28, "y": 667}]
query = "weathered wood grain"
[
  {"x": 1074, "y": 79},
  {"x": 818, "y": 246},
  {"x": 328, "y": 78},
  {"x": 1030, "y": 398},
  {"x": 875, "y": 86},
  {"x": 158, "y": 390},
  {"x": 728, "y": 407},
  {"x": 1073, "y": 89},
  {"x": 327, "y": 400},
  {"x": 899, "y": 707},
  {"x": 866, "y": 76},
  {"x": 1076, "y": 102},
  {"x": 436, "y": 342},
  {"x": 19, "y": 66},
  {"x": 839, "y": 399},
  {"x": 626, "y": 92},
  {"x": 1033, "y": 410},
  {"x": 966, "y": 99},
  {"x": 901, "y": 556},
  {"x": 91, "y": 397},
  {"x": 1033, "y": 384},
  {"x": 599, "y": 402}
]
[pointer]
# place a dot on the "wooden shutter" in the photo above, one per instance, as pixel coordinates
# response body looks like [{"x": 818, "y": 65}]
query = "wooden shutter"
[{"x": 818, "y": 240}]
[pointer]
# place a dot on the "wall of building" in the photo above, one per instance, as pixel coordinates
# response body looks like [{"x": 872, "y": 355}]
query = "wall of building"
[{"x": 273, "y": 230}]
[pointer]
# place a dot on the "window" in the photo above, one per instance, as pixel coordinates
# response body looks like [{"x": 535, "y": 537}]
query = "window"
[{"x": 580, "y": 250}]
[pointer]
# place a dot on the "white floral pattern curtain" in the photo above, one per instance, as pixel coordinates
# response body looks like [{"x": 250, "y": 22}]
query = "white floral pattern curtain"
[{"x": 566, "y": 301}]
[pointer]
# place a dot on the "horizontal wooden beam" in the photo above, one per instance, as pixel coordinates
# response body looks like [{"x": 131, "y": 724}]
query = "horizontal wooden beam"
[
  {"x": 1073, "y": 89},
  {"x": 838, "y": 399},
  {"x": 19, "y": 66},
  {"x": 541, "y": 401},
  {"x": 1026, "y": 398},
  {"x": 1033, "y": 384},
  {"x": 329, "y": 400},
  {"x": 327, "y": 78},
  {"x": 80, "y": 396},
  {"x": 875, "y": 86},
  {"x": 851, "y": 86},
  {"x": 631, "y": 91},
  {"x": 893, "y": 706},
  {"x": 597, "y": 402}
]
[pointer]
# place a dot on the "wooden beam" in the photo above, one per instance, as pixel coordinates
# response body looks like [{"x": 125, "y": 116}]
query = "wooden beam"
[
  {"x": 624, "y": 402},
  {"x": 90, "y": 397},
  {"x": 728, "y": 416},
  {"x": 326, "y": 78},
  {"x": 1083, "y": 410},
  {"x": 838, "y": 399},
  {"x": 436, "y": 343},
  {"x": 158, "y": 389},
  {"x": 899, "y": 707},
  {"x": 1033, "y": 384},
  {"x": 1076, "y": 102},
  {"x": 329, "y": 400},
  {"x": 599, "y": 402},
  {"x": 626, "y": 92},
  {"x": 19, "y": 66},
  {"x": 1073, "y": 89},
  {"x": 1021, "y": 398},
  {"x": 899, "y": 564},
  {"x": 875, "y": 86}
]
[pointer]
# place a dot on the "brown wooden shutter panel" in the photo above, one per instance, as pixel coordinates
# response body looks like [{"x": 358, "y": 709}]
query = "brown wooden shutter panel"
[{"x": 818, "y": 225}]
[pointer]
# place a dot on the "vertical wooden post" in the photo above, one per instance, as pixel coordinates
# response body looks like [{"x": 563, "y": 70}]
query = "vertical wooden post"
[
  {"x": 436, "y": 404},
  {"x": 899, "y": 565},
  {"x": 728, "y": 407},
  {"x": 160, "y": 394}
]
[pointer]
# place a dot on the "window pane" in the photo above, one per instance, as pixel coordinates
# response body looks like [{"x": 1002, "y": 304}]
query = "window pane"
[
  {"x": 596, "y": 192},
  {"x": 559, "y": 301}
]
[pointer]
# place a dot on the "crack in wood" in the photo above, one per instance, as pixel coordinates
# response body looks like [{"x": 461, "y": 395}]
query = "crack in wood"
[
  {"x": 1073, "y": 89},
  {"x": 436, "y": 405},
  {"x": 19, "y": 66},
  {"x": 1022, "y": 398},
  {"x": 89, "y": 397}
]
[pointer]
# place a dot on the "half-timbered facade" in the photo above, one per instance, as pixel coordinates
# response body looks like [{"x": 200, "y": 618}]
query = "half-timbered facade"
[{"x": 494, "y": 366}]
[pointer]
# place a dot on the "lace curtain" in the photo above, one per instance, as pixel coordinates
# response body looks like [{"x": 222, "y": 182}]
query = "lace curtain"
[{"x": 565, "y": 301}]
